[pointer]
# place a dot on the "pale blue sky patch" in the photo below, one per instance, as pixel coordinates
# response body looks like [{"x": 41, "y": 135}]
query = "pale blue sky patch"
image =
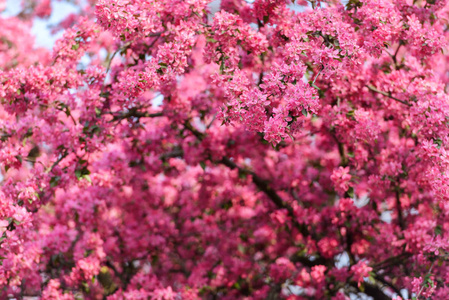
[{"x": 42, "y": 27}]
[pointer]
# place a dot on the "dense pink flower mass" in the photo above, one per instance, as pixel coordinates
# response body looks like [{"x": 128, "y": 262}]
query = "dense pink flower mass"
[{"x": 271, "y": 150}]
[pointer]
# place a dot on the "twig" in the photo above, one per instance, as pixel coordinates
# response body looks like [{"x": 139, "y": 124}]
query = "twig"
[
  {"x": 62, "y": 156},
  {"x": 391, "y": 261},
  {"x": 389, "y": 284},
  {"x": 372, "y": 88},
  {"x": 258, "y": 181},
  {"x": 211, "y": 122},
  {"x": 422, "y": 285},
  {"x": 399, "y": 209},
  {"x": 321, "y": 70},
  {"x": 394, "y": 57},
  {"x": 108, "y": 68},
  {"x": 135, "y": 114}
]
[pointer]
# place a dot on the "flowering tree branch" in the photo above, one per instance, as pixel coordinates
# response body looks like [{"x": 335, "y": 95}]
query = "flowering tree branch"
[{"x": 372, "y": 88}]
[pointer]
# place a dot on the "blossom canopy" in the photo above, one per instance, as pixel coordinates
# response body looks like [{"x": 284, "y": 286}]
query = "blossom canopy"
[{"x": 195, "y": 149}]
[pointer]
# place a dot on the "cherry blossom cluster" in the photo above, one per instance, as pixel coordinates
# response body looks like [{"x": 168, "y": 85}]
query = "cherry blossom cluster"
[{"x": 274, "y": 149}]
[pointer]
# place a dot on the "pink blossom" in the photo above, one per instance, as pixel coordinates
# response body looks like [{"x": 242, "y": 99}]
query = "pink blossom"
[
  {"x": 341, "y": 179},
  {"x": 360, "y": 270},
  {"x": 195, "y": 149}
]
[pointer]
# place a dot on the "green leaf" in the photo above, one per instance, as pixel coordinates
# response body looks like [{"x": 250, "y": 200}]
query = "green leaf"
[
  {"x": 242, "y": 175},
  {"x": 304, "y": 112},
  {"x": 227, "y": 205},
  {"x": 266, "y": 19},
  {"x": 87, "y": 177},
  {"x": 83, "y": 173},
  {"x": 104, "y": 94},
  {"x": 350, "y": 192},
  {"x": 314, "y": 86},
  {"x": 438, "y": 142},
  {"x": 29, "y": 133},
  {"x": 88, "y": 252},
  {"x": 55, "y": 180},
  {"x": 362, "y": 287},
  {"x": 34, "y": 153},
  {"x": 350, "y": 113},
  {"x": 438, "y": 229},
  {"x": 371, "y": 278},
  {"x": 86, "y": 287},
  {"x": 76, "y": 46}
]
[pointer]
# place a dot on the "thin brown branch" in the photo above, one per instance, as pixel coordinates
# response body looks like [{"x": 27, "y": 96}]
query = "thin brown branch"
[
  {"x": 391, "y": 261},
  {"x": 172, "y": 154},
  {"x": 374, "y": 291},
  {"x": 394, "y": 57},
  {"x": 316, "y": 77},
  {"x": 373, "y": 89},
  {"x": 133, "y": 113},
  {"x": 389, "y": 284},
  {"x": 61, "y": 157},
  {"x": 399, "y": 209}
]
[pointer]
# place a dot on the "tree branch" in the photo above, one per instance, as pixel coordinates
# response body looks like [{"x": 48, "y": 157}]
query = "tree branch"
[
  {"x": 375, "y": 292},
  {"x": 371, "y": 290},
  {"x": 372, "y": 88},
  {"x": 394, "y": 288},
  {"x": 134, "y": 113},
  {"x": 258, "y": 181},
  {"x": 61, "y": 157},
  {"x": 391, "y": 261},
  {"x": 399, "y": 209}
]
